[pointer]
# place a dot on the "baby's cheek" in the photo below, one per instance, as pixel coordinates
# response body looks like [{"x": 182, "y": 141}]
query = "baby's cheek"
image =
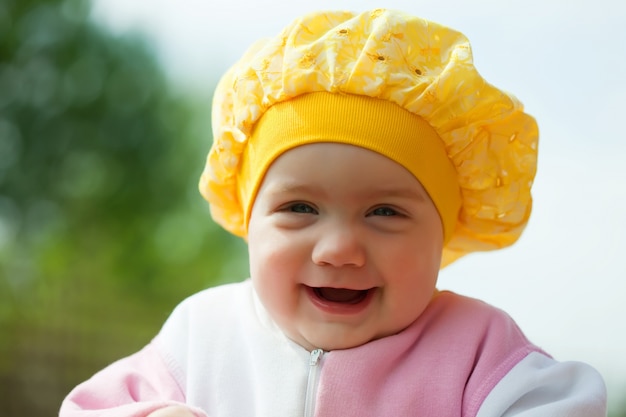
[{"x": 280, "y": 296}]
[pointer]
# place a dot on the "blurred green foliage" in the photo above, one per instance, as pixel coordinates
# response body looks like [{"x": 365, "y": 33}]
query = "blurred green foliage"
[{"x": 102, "y": 230}]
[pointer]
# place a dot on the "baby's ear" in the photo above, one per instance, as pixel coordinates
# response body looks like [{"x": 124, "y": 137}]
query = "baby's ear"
[{"x": 172, "y": 411}]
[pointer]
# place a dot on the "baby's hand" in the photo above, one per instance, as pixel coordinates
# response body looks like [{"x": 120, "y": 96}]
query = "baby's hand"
[{"x": 173, "y": 411}]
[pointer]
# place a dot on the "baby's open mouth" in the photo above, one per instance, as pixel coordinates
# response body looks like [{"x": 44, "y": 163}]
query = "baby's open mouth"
[{"x": 341, "y": 295}]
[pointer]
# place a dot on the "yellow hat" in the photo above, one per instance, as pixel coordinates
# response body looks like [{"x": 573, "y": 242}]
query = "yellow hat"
[{"x": 475, "y": 150}]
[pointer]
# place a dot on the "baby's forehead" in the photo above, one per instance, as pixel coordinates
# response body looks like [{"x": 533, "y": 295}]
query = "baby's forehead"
[
  {"x": 323, "y": 155},
  {"x": 315, "y": 167}
]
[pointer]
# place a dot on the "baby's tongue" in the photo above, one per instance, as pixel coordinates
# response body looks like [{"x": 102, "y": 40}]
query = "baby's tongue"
[{"x": 341, "y": 295}]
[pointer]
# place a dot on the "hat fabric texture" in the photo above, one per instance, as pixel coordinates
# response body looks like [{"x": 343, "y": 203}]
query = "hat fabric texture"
[{"x": 425, "y": 69}]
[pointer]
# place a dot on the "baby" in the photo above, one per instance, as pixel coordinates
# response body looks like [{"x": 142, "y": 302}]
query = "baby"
[{"x": 358, "y": 154}]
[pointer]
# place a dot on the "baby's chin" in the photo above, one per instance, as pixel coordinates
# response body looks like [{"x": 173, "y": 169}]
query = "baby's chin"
[{"x": 336, "y": 340}]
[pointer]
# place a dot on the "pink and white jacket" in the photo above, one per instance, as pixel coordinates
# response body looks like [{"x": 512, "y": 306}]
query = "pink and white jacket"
[{"x": 221, "y": 355}]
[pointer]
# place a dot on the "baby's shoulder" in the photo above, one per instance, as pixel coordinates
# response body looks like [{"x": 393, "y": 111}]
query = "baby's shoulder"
[
  {"x": 455, "y": 306},
  {"x": 222, "y": 299},
  {"x": 210, "y": 312},
  {"x": 470, "y": 320}
]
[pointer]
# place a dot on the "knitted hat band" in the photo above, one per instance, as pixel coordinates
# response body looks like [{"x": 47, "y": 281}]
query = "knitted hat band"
[{"x": 378, "y": 125}]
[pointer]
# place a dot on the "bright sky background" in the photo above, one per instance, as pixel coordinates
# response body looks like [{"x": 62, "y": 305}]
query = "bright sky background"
[{"x": 564, "y": 282}]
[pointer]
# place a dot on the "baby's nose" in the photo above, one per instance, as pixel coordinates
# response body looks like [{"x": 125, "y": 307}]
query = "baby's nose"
[{"x": 339, "y": 246}]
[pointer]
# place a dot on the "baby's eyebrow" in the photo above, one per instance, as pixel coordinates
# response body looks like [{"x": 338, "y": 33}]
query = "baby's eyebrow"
[
  {"x": 289, "y": 187},
  {"x": 380, "y": 193},
  {"x": 293, "y": 189},
  {"x": 406, "y": 193}
]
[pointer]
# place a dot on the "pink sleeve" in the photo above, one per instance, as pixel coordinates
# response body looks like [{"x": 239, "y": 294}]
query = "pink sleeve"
[{"x": 131, "y": 387}]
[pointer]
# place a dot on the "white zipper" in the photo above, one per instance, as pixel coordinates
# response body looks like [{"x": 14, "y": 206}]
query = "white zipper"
[{"x": 311, "y": 385}]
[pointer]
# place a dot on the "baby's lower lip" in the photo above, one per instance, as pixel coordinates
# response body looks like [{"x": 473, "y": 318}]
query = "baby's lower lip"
[{"x": 347, "y": 305}]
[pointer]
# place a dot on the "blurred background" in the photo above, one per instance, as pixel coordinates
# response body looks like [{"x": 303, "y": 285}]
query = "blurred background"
[
  {"x": 101, "y": 229},
  {"x": 104, "y": 129}
]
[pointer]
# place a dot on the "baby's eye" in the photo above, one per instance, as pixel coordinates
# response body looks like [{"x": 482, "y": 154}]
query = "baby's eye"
[
  {"x": 301, "y": 208},
  {"x": 384, "y": 211}
]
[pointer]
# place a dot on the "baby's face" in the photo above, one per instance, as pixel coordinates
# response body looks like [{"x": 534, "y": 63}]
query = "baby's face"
[{"x": 345, "y": 246}]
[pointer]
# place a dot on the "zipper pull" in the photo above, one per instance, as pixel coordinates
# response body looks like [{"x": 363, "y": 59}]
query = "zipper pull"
[
  {"x": 311, "y": 386},
  {"x": 316, "y": 355}
]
